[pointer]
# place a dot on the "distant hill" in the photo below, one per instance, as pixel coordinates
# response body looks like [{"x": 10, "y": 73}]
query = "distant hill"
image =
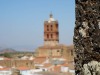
[{"x": 7, "y": 50}]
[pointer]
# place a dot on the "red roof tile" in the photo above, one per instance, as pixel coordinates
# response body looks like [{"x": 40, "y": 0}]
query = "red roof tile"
[
  {"x": 65, "y": 64},
  {"x": 39, "y": 60},
  {"x": 2, "y": 69},
  {"x": 23, "y": 68},
  {"x": 57, "y": 68},
  {"x": 7, "y": 58},
  {"x": 46, "y": 65}
]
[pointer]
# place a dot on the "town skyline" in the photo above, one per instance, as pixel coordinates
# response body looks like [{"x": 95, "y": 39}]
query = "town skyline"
[{"x": 22, "y": 22}]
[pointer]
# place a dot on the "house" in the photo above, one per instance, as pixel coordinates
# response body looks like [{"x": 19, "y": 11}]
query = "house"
[{"x": 5, "y": 71}]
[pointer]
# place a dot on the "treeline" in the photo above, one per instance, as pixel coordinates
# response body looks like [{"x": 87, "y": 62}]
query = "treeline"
[
  {"x": 16, "y": 54},
  {"x": 8, "y": 55}
]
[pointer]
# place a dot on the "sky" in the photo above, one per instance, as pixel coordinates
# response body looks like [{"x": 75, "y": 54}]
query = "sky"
[{"x": 22, "y": 22}]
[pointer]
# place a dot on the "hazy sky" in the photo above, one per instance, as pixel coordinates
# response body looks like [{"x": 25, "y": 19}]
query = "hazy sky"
[{"x": 21, "y": 22}]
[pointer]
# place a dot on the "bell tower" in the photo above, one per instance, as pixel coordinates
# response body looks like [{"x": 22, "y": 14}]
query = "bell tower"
[{"x": 51, "y": 32}]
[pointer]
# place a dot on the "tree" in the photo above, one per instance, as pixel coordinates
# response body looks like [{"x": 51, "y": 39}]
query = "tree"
[{"x": 8, "y": 55}]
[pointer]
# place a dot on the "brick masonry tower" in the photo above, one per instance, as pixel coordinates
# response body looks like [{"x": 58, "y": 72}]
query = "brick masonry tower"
[{"x": 51, "y": 32}]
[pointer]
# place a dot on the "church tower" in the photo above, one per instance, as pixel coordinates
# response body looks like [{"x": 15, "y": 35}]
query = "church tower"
[{"x": 51, "y": 32}]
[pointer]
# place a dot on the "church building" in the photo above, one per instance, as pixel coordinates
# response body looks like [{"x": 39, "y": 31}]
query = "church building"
[
  {"x": 51, "y": 47},
  {"x": 51, "y": 32}
]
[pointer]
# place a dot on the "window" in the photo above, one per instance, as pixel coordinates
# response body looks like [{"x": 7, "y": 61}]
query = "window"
[
  {"x": 51, "y": 35},
  {"x": 72, "y": 52},
  {"x": 47, "y": 35},
  {"x": 27, "y": 64},
  {"x": 51, "y": 27},
  {"x": 56, "y": 34},
  {"x": 57, "y": 50},
  {"x": 47, "y": 28},
  {"x": 56, "y": 25}
]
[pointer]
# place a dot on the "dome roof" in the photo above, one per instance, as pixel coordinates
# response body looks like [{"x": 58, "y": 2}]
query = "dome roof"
[{"x": 51, "y": 18}]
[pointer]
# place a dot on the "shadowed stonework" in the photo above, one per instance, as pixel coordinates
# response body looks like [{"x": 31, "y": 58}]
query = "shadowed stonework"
[{"x": 87, "y": 37}]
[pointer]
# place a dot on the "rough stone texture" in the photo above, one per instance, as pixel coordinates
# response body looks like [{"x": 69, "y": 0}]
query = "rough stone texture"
[
  {"x": 92, "y": 68},
  {"x": 87, "y": 37}
]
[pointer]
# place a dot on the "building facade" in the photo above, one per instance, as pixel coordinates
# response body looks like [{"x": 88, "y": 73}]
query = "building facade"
[{"x": 51, "y": 47}]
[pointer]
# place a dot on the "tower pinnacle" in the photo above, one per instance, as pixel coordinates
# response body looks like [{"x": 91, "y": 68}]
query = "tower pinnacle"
[{"x": 51, "y": 16}]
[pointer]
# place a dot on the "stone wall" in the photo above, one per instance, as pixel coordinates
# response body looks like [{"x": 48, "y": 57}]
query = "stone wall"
[
  {"x": 17, "y": 63},
  {"x": 49, "y": 51},
  {"x": 87, "y": 37},
  {"x": 63, "y": 51}
]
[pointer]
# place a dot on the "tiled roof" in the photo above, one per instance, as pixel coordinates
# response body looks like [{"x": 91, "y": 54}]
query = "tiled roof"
[
  {"x": 57, "y": 68},
  {"x": 7, "y": 58},
  {"x": 46, "y": 65},
  {"x": 3, "y": 69},
  {"x": 65, "y": 64},
  {"x": 23, "y": 68},
  {"x": 39, "y": 60}
]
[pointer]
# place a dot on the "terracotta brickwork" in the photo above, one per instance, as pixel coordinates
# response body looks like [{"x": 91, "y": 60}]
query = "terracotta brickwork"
[{"x": 51, "y": 33}]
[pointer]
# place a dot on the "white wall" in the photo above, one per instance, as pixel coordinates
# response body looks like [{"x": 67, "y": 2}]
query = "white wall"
[
  {"x": 5, "y": 72},
  {"x": 64, "y": 69}
]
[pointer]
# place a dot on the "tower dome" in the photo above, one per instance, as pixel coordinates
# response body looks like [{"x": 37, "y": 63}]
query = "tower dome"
[{"x": 51, "y": 18}]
